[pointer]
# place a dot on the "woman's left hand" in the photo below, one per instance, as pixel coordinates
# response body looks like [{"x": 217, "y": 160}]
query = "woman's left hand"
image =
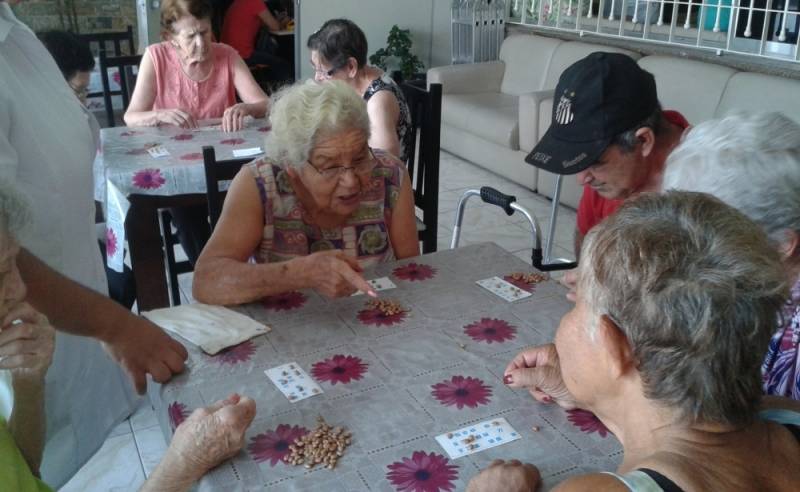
[{"x": 233, "y": 117}]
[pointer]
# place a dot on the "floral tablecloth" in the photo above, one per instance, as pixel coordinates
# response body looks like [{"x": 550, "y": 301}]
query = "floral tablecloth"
[
  {"x": 125, "y": 167},
  {"x": 395, "y": 382}
]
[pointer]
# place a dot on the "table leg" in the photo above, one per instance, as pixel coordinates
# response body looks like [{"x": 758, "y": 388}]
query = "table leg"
[{"x": 147, "y": 257}]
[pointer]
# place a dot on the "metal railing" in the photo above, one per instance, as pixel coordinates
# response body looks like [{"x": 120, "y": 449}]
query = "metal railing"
[
  {"x": 764, "y": 28},
  {"x": 477, "y": 29}
]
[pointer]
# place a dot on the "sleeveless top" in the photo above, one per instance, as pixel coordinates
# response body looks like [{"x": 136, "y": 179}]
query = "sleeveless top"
[
  {"x": 175, "y": 90},
  {"x": 646, "y": 480},
  {"x": 289, "y": 234},
  {"x": 385, "y": 83}
]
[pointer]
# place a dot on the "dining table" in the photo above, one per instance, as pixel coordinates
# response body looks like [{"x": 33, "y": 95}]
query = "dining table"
[
  {"x": 394, "y": 381},
  {"x": 139, "y": 171}
]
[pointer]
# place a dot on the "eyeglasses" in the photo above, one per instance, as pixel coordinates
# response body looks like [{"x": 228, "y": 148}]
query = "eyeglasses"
[
  {"x": 360, "y": 168},
  {"x": 326, "y": 74}
]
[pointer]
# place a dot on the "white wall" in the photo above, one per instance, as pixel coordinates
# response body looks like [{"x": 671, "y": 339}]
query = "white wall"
[{"x": 428, "y": 20}]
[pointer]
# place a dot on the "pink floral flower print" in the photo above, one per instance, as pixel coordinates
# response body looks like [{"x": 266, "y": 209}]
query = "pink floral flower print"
[
  {"x": 111, "y": 242},
  {"x": 285, "y": 301},
  {"x": 232, "y": 141},
  {"x": 587, "y": 421},
  {"x": 414, "y": 272},
  {"x": 339, "y": 369},
  {"x": 148, "y": 179},
  {"x": 462, "y": 391},
  {"x": 193, "y": 156},
  {"x": 490, "y": 330},
  {"x": 116, "y": 77},
  {"x": 177, "y": 414},
  {"x": 265, "y": 129},
  {"x": 183, "y": 136},
  {"x": 423, "y": 472},
  {"x": 376, "y": 317},
  {"x": 236, "y": 354},
  {"x": 273, "y": 446}
]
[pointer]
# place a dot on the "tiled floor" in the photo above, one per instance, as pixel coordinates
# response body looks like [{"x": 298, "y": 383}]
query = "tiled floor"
[{"x": 134, "y": 448}]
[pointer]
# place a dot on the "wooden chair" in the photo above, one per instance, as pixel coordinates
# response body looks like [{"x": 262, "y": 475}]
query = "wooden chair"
[
  {"x": 110, "y": 43},
  {"x": 127, "y": 80},
  {"x": 422, "y": 156},
  {"x": 216, "y": 172},
  {"x": 174, "y": 268}
]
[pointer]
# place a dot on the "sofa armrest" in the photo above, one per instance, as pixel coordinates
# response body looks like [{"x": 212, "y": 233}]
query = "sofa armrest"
[
  {"x": 468, "y": 77},
  {"x": 529, "y": 105}
]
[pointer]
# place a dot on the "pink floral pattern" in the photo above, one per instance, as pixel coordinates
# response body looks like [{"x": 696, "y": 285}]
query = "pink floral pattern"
[
  {"x": 148, "y": 179},
  {"x": 177, "y": 412},
  {"x": 339, "y": 369},
  {"x": 193, "y": 156},
  {"x": 183, "y": 136},
  {"x": 285, "y": 301},
  {"x": 232, "y": 141},
  {"x": 376, "y": 317},
  {"x": 265, "y": 129},
  {"x": 273, "y": 446},
  {"x": 587, "y": 422},
  {"x": 490, "y": 330},
  {"x": 462, "y": 392},
  {"x": 111, "y": 242},
  {"x": 423, "y": 472},
  {"x": 236, "y": 354},
  {"x": 414, "y": 272}
]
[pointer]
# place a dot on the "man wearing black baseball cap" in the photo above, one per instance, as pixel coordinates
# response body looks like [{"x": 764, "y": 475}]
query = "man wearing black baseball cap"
[{"x": 609, "y": 130}]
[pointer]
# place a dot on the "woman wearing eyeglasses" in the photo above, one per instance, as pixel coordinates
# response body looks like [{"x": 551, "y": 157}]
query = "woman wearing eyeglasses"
[
  {"x": 339, "y": 52},
  {"x": 317, "y": 209}
]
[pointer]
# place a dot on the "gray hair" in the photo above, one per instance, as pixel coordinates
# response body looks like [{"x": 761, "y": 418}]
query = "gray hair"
[
  {"x": 695, "y": 286},
  {"x": 751, "y": 162},
  {"x": 306, "y": 111},
  {"x": 15, "y": 211}
]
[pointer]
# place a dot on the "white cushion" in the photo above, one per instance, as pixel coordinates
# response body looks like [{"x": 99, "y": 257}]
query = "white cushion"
[
  {"x": 527, "y": 59},
  {"x": 750, "y": 92},
  {"x": 489, "y": 115}
]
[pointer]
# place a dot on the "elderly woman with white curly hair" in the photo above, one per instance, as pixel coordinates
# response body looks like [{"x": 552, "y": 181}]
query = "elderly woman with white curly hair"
[
  {"x": 752, "y": 162},
  {"x": 673, "y": 293},
  {"x": 317, "y": 209}
]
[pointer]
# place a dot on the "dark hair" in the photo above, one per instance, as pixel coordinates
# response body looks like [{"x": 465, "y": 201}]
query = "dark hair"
[
  {"x": 627, "y": 140},
  {"x": 71, "y": 53},
  {"x": 172, "y": 10},
  {"x": 338, "y": 40}
]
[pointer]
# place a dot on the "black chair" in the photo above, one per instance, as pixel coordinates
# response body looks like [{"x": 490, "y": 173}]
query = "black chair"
[
  {"x": 127, "y": 81},
  {"x": 216, "y": 172},
  {"x": 174, "y": 268},
  {"x": 422, "y": 156},
  {"x": 100, "y": 41}
]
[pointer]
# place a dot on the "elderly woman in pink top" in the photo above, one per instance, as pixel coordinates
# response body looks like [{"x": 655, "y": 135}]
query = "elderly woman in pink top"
[{"x": 187, "y": 77}]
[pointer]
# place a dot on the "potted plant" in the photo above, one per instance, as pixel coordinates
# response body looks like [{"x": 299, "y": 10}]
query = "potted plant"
[{"x": 397, "y": 56}]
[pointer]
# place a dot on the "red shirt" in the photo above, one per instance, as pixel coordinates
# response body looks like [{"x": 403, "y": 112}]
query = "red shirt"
[
  {"x": 593, "y": 208},
  {"x": 242, "y": 24}
]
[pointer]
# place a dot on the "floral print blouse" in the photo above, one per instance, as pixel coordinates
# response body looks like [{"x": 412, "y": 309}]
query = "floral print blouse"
[
  {"x": 288, "y": 232},
  {"x": 781, "y": 369}
]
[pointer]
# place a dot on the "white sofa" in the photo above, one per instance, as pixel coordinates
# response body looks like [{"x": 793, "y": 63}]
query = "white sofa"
[{"x": 494, "y": 113}]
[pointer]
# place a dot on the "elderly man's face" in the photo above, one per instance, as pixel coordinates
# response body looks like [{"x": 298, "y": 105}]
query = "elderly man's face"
[
  {"x": 616, "y": 175},
  {"x": 12, "y": 288}
]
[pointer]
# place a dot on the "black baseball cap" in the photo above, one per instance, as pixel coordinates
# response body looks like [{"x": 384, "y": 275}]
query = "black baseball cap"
[{"x": 596, "y": 99}]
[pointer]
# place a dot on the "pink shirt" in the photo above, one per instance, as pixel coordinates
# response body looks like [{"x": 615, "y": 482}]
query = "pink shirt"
[{"x": 175, "y": 90}]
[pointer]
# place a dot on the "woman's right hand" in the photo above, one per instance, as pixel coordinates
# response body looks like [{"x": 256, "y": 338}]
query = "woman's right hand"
[
  {"x": 334, "y": 274},
  {"x": 176, "y": 117},
  {"x": 537, "y": 369},
  {"x": 27, "y": 342}
]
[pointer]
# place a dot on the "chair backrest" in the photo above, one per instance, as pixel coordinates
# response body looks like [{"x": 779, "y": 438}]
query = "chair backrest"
[
  {"x": 127, "y": 80},
  {"x": 216, "y": 172},
  {"x": 422, "y": 154},
  {"x": 100, "y": 41}
]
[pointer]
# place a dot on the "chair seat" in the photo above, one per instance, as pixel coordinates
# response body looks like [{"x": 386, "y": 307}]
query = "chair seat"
[{"x": 492, "y": 115}]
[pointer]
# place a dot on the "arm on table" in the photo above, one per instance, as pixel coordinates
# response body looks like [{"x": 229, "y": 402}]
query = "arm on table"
[
  {"x": 403, "y": 229},
  {"x": 138, "y": 345},
  {"x": 383, "y": 111},
  {"x": 224, "y": 275},
  {"x": 254, "y": 103},
  {"x": 140, "y": 110}
]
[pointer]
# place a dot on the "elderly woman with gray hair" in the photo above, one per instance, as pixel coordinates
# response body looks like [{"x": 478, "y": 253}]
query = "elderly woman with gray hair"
[
  {"x": 673, "y": 293},
  {"x": 752, "y": 163},
  {"x": 317, "y": 209}
]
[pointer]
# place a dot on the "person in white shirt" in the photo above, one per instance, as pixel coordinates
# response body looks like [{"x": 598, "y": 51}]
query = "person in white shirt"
[{"x": 46, "y": 150}]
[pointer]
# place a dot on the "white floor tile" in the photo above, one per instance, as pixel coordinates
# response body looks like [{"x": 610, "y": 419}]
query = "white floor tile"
[
  {"x": 114, "y": 468},
  {"x": 151, "y": 445}
]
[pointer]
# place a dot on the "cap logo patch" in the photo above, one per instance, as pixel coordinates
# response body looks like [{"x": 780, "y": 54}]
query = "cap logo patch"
[{"x": 564, "y": 113}]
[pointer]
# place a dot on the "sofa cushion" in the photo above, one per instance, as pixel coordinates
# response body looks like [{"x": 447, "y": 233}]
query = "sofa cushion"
[
  {"x": 527, "y": 59},
  {"x": 566, "y": 54},
  {"x": 489, "y": 115},
  {"x": 750, "y": 92},
  {"x": 692, "y": 87}
]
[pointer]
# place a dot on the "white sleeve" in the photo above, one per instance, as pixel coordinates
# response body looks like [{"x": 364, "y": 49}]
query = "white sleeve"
[{"x": 9, "y": 158}]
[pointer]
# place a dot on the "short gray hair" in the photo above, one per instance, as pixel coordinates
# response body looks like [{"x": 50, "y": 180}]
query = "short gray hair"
[
  {"x": 751, "y": 162},
  {"x": 15, "y": 211},
  {"x": 307, "y": 110},
  {"x": 696, "y": 287}
]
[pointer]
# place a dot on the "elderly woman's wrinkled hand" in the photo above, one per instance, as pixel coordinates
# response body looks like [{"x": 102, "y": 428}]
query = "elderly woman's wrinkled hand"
[
  {"x": 213, "y": 434},
  {"x": 176, "y": 117},
  {"x": 27, "y": 342},
  {"x": 508, "y": 476},
  {"x": 537, "y": 369},
  {"x": 233, "y": 117},
  {"x": 334, "y": 274}
]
